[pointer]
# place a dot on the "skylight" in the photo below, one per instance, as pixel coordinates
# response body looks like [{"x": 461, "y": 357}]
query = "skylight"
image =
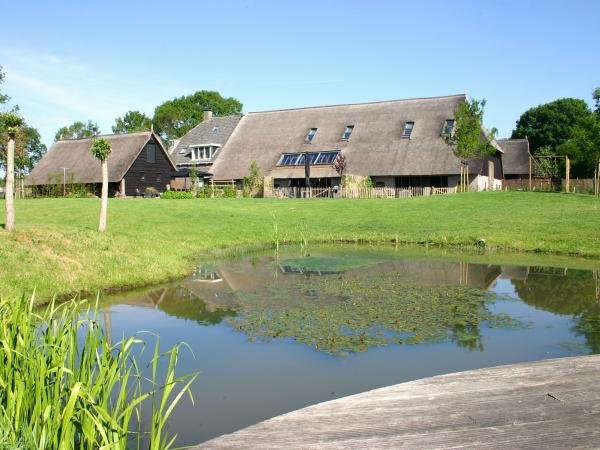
[
  {"x": 310, "y": 136},
  {"x": 347, "y": 133},
  {"x": 448, "y": 127},
  {"x": 297, "y": 159},
  {"x": 408, "y": 129}
]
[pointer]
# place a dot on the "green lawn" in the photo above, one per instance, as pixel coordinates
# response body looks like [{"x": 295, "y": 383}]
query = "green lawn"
[{"x": 57, "y": 250}]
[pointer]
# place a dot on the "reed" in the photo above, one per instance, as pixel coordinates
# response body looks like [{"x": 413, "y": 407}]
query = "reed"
[{"x": 63, "y": 385}]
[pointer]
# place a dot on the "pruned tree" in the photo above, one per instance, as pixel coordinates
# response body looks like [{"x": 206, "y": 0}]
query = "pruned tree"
[
  {"x": 194, "y": 179},
  {"x": 468, "y": 138},
  {"x": 101, "y": 149},
  {"x": 11, "y": 123},
  {"x": 340, "y": 164},
  {"x": 253, "y": 184}
]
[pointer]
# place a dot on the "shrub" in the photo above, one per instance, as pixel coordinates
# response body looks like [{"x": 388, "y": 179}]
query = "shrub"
[
  {"x": 229, "y": 191},
  {"x": 177, "y": 195}
]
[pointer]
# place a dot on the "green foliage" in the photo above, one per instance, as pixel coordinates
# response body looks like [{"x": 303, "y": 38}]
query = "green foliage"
[
  {"x": 596, "y": 97},
  {"x": 253, "y": 184},
  {"x": 131, "y": 122},
  {"x": 368, "y": 182},
  {"x": 64, "y": 385},
  {"x": 583, "y": 147},
  {"x": 101, "y": 149},
  {"x": 176, "y": 117},
  {"x": 11, "y": 122},
  {"x": 3, "y": 97},
  {"x": 468, "y": 138},
  {"x": 229, "y": 192},
  {"x": 177, "y": 195},
  {"x": 551, "y": 124},
  {"x": 77, "y": 130}
]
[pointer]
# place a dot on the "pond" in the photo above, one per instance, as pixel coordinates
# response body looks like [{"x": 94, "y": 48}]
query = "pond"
[{"x": 271, "y": 334}]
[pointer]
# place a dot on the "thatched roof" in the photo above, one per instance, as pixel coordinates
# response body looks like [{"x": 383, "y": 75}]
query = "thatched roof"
[
  {"x": 515, "y": 160},
  {"x": 216, "y": 130},
  {"x": 376, "y": 146},
  {"x": 74, "y": 154}
]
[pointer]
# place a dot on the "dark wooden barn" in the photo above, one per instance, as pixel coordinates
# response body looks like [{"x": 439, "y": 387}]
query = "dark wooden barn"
[{"x": 137, "y": 164}]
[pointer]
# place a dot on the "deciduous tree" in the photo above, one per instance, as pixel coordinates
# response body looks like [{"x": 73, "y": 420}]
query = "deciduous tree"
[
  {"x": 101, "y": 149},
  {"x": 131, "y": 122},
  {"x": 176, "y": 117},
  {"x": 551, "y": 124},
  {"x": 77, "y": 130}
]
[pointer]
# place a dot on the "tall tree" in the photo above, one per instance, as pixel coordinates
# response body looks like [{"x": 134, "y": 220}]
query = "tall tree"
[
  {"x": 11, "y": 122},
  {"x": 551, "y": 124},
  {"x": 583, "y": 148},
  {"x": 101, "y": 149},
  {"x": 77, "y": 130},
  {"x": 131, "y": 122},
  {"x": 596, "y": 96},
  {"x": 176, "y": 117},
  {"x": 467, "y": 137}
]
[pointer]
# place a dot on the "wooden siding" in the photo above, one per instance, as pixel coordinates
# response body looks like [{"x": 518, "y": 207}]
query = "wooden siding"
[
  {"x": 143, "y": 174},
  {"x": 498, "y": 173}
]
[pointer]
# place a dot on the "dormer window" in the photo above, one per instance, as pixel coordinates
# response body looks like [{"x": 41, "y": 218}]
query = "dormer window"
[
  {"x": 310, "y": 136},
  {"x": 347, "y": 133},
  {"x": 448, "y": 127},
  {"x": 408, "y": 129},
  {"x": 203, "y": 153}
]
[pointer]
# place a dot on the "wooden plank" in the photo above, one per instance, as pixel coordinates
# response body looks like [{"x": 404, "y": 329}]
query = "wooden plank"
[{"x": 546, "y": 404}]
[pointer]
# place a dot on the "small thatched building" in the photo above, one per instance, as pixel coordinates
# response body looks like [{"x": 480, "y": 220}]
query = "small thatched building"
[
  {"x": 138, "y": 161},
  {"x": 398, "y": 143},
  {"x": 515, "y": 158}
]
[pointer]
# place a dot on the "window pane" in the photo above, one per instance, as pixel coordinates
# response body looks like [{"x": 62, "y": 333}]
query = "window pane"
[{"x": 151, "y": 153}]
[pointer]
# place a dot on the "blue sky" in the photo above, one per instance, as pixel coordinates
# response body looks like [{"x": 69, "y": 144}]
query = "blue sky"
[{"x": 67, "y": 61}]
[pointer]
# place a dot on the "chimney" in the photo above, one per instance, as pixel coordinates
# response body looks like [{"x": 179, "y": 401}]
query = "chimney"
[{"x": 207, "y": 115}]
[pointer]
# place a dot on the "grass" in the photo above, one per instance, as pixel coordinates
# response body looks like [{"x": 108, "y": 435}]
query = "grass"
[
  {"x": 63, "y": 385},
  {"x": 57, "y": 250}
]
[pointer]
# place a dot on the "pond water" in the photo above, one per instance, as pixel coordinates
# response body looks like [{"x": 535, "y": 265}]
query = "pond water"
[{"x": 273, "y": 334}]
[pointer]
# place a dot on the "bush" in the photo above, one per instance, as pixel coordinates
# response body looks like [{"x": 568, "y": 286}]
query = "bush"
[
  {"x": 177, "y": 195},
  {"x": 229, "y": 192}
]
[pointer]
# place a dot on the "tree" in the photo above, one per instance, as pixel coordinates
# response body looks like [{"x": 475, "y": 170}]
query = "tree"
[
  {"x": 101, "y": 149},
  {"x": 194, "y": 179},
  {"x": 131, "y": 122},
  {"x": 596, "y": 96},
  {"x": 468, "y": 137},
  {"x": 583, "y": 148},
  {"x": 551, "y": 124},
  {"x": 77, "y": 130},
  {"x": 11, "y": 122},
  {"x": 3, "y": 98},
  {"x": 176, "y": 117},
  {"x": 253, "y": 184},
  {"x": 340, "y": 164}
]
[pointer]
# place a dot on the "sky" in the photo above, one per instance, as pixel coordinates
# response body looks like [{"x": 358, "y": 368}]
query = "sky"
[{"x": 67, "y": 61}]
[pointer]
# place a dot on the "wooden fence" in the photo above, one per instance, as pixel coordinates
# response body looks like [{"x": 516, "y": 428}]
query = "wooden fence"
[
  {"x": 376, "y": 192},
  {"x": 579, "y": 185}
]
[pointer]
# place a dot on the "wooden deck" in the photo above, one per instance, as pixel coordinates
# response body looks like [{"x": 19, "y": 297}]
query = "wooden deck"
[{"x": 548, "y": 404}]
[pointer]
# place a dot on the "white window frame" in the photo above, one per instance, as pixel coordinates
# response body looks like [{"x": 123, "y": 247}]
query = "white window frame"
[{"x": 409, "y": 126}]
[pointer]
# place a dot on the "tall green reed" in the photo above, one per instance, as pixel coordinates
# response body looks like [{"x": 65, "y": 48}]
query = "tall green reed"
[{"x": 64, "y": 386}]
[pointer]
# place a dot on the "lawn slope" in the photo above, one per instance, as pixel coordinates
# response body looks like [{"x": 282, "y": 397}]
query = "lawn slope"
[{"x": 56, "y": 248}]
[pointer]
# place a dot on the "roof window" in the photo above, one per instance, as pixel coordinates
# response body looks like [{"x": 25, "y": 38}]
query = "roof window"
[
  {"x": 310, "y": 136},
  {"x": 448, "y": 127},
  {"x": 347, "y": 133},
  {"x": 408, "y": 129}
]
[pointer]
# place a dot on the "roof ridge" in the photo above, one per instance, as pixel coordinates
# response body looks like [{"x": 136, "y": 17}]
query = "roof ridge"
[
  {"x": 357, "y": 104},
  {"x": 102, "y": 135}
]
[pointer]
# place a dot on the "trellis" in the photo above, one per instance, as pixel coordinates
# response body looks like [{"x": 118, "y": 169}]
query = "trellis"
[{"x": 547, "y": 167}]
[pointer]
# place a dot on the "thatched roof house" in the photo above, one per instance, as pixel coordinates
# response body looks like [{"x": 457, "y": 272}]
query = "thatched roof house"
[
  {"x": 397, "y": 143},
  {"x": 137, "y": 161},
  {"x": 515, "y": 158}
]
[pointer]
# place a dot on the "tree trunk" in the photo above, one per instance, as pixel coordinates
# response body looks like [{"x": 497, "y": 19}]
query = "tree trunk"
[
  {"x": 104, "y": 197},
  {"x": 10, "y": 185}
]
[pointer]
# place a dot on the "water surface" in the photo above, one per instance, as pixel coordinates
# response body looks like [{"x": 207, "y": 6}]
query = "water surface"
[{"x": 273, "y": 334}]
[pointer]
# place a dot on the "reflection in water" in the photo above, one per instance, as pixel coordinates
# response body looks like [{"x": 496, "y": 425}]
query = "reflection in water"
[
  {"x": 307, "y": 310},
  {"x": 349, "y": 303},
  {"x": 569, "y": 292}
]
